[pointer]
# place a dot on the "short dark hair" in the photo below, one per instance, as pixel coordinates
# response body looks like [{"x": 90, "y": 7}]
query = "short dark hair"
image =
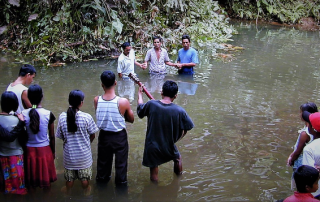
[
  {"x": 305, "y": 175},
  {"x": 186, "y": 36},
  {"x": 9, "y": 102},
  {"x": 107, "y": 78},
  {"x": 156, "y": 37},
  {"x": 169, "y": 88},
  {"x": 309, "y": 107},
  {"x": 125, "y": 45},
  {"x": 27, "y": 69}
]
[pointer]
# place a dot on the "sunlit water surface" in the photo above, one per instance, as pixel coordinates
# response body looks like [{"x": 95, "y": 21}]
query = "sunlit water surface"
[{"x": 245, "y": 114}]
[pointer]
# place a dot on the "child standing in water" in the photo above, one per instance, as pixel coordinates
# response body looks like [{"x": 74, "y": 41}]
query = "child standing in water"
[
  {"x": 40, "y": 170},
  {"x": 77, "y": 130},
  {"x": 304, "y": 138},
  {"x": 11, "y": 153}
]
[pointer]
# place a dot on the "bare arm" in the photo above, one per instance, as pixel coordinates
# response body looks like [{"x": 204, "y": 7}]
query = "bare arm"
[
  {"x": 184, "y": 132},
  {"x": 95, "y": 102},
  {"x": 52, "y": 139},
  {"x": 141, "y": 65},
  {"x": 125, "y": 109},
  {"x": 172, "y": 64},
  {"x": 191, "y": 64},
  {"x": 140, "y": 98},
  {"x": 303, "y": 138},
  {"x": 25, "y": 101},
  {"x": 144, "y": 65},
  {"x": 92, "y": 136}
]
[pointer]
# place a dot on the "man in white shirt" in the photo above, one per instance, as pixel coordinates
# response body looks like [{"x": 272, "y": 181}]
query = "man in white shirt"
[
  {"x": 26, "y": 76},
  {"x": 126, "y": 61}
]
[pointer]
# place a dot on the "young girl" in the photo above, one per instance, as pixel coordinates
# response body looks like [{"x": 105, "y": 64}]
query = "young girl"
[
  {"x": 77, "y": 130},
  {"x": 40, "y": 169},
  {"x": 11, "y": 153},
  {"x": 305, "y": 137}
]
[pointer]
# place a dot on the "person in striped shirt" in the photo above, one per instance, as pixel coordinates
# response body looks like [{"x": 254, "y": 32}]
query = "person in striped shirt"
[
  {"x": 112, "y": 112},
  {"x": 77, "y": 130}
]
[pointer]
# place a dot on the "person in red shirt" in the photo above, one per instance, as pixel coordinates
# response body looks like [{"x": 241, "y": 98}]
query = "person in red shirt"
[{"x": 306, "y": 178}]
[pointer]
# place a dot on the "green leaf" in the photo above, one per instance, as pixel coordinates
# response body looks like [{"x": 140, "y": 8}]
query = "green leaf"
[
  {"x": 56, "y": 18},
  {"x": 117, "y": 25}
]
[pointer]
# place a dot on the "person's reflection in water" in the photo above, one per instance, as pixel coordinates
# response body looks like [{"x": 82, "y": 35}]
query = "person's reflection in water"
[
  {"x": 126, "y": 88},
  {"x": 155, "y": 82},
  {"x": 153, "y": 192},
  {"x": 186, "y": 84},
  {"x": 106, "y": 191}
]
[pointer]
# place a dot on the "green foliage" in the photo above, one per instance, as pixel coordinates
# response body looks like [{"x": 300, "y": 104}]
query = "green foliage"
[
  {"x": 286, "y": 11},
  {"x": 82, "y": 29}
]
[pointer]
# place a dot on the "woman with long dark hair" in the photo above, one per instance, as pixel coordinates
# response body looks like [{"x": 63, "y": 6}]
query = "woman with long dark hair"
[
  {"x": 77, "y": 130},
  {"x": 40, "y": 170}
]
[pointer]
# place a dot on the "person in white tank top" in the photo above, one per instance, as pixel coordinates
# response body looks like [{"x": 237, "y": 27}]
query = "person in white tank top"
[{"x": 26, "y": 76}]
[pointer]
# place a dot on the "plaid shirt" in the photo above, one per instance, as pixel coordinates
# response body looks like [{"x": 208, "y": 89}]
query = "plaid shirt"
[{"x": 157, "y": 66}]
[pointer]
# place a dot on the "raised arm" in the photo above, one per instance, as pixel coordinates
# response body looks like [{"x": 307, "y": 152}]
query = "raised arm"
[{"x": 140, "y": 97}]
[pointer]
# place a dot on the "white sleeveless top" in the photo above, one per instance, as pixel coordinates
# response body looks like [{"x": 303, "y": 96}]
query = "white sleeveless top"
[
  {"x": 41, "y": 139},
  {"x": 18, "y": 89},
  {"x": 108, "y": 115}
]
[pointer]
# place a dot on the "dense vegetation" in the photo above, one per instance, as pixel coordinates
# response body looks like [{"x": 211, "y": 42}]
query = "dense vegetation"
[
  {"x": 76, "y": 30},
  {"x": 284, "y": 11}
]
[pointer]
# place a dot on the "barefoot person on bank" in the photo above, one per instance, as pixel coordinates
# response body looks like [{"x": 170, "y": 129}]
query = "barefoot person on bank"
[{"x": 167, "y": 123}]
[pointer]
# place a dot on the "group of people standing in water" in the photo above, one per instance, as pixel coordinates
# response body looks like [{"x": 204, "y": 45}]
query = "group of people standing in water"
[
  {"x": 27, "y": 131},
  {"x": 305, "y": 158}
]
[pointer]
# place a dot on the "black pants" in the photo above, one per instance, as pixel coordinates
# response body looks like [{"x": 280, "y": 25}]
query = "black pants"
[{"x": 110, "y": 143}]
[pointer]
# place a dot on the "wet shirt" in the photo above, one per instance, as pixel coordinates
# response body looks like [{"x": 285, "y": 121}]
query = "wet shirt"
[
  {"x": 165, "y": 125},
  {"x": 157, "y": 66},
  {"x": 187, "y": 56},
  {"x": 126, "y": 63}
]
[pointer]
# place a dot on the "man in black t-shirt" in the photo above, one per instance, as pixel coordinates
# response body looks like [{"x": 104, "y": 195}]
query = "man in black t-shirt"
[{"x": 167, "y": 123}]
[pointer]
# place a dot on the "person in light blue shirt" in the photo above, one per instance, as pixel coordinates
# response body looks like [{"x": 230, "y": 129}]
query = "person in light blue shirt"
[{"x": 187, "y": 57}]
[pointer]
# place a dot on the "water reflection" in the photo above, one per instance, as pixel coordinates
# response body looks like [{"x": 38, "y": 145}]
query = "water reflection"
[
  {"x": 246, "y": 114},
  {"x": 126, "y": 88}
]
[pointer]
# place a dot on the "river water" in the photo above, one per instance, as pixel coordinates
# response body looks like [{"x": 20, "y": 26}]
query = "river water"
[{"x": 246, "y": 115}]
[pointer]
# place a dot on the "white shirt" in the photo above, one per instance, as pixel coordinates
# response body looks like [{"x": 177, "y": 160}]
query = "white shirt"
[
  {"x": 18, "y": 90},
  {"x": 126, "y": 63},
  {"x": 311, "y": 157}
]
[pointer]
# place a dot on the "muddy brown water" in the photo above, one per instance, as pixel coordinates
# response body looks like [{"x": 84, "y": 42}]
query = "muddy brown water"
[{"x": 245, "y": 114}]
